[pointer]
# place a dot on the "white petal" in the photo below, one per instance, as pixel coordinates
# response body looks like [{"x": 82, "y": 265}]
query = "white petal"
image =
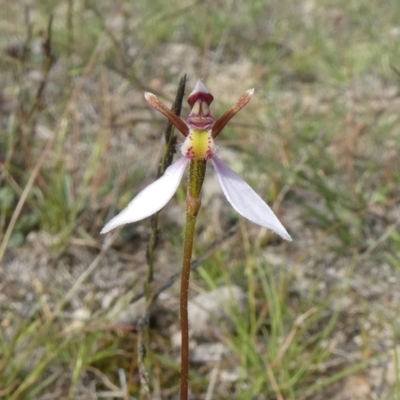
[
  {"x": 151, "y": 199},
  {"x": 245, "y": 200}
]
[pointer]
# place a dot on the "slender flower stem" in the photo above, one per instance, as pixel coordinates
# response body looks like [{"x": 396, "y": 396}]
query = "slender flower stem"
[{"x": 197, "y": 170}]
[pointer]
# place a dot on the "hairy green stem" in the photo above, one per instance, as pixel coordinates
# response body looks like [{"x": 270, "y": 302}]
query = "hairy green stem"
[{"x": 197, "y": 170}]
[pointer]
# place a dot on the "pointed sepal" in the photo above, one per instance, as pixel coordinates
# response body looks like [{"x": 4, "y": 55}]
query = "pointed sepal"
[
  {"x": 221, "y": 122},
  {"x": 173, "y": 118}
]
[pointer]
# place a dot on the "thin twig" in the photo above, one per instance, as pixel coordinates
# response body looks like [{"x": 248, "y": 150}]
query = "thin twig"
[
  {"x": 46, "y": 150},
  {"x": 165, "y": 161},
  {"x": 31, "y": 114}
]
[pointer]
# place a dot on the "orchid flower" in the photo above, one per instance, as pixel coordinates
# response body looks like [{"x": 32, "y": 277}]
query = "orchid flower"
[{"x": 200, "y": 130}]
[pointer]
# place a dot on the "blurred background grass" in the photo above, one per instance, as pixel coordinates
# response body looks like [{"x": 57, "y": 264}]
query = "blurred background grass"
[{"x": 319, "y": 141}]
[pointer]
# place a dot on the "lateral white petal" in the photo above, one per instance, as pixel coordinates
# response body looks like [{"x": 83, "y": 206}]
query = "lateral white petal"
[
  {"x": 245, "y": 200},
  {"x": 151, "y": 199}
]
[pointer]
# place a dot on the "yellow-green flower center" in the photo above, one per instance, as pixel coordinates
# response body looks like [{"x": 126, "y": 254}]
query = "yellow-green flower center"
[{"x": 199, "y": 145}]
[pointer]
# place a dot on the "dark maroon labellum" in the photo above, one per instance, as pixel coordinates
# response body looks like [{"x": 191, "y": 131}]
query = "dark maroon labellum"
[{"x": 207, "y": 97}]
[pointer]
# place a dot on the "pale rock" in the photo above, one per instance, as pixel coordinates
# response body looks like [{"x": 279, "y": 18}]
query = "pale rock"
[
  {"x": 209, "y": 352},
  {"x": 176, "y": 341},
  {"x": 209, "y": 312},
  {"x": 355, "y": 387},
  {"x": 132, "y": 313},
  {"x": 79, "y": 319}
]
